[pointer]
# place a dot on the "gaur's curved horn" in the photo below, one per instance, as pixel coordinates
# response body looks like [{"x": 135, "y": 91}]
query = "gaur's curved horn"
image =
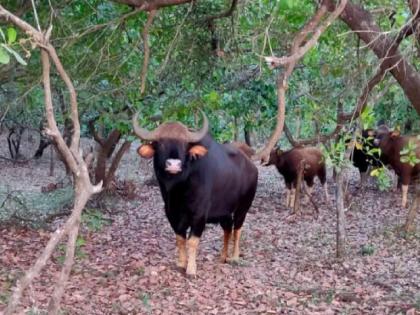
[
  {"x": 196, "y": 136},
  {"x": 141, "y": 132}
]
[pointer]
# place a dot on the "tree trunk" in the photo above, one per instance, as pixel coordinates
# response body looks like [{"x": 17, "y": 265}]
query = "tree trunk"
[
  {"x": 106, "y": 148},
  {"x": 115, "y": 163},
  {"x": 13, "y": 140},
  {"x": 44, "y": 142},
  {"x": 247, "y": 135},
  {"x": 235, "y": 129},
  {"x": 341, "y": 219},
  {"x": 385, "y": 48}
]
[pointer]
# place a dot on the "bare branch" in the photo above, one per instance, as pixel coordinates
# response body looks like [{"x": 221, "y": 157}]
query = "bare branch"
[
  {"x": 297, "y": 52},
  {"x": 36, "y": 15},
  {"x": 27, "y": 28},
  {"x": 301, "y": 51},
  {"x": 98, "y": 138},
  {"x": 145, "y": 36},
  {"x": 75, "y": 140},
  {"x": 55, "y": 300},
  {"x": 52, "y": 130},
  {"x": 150, "y": 5}
]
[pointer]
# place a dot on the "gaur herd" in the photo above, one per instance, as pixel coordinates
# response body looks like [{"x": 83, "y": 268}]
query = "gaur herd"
[{"x": 202, "y": 181}]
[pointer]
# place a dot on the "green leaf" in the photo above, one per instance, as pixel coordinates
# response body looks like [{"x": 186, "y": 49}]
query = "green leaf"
[
  {"x": 15, "y": 54},
  {"x": 4, "y": 56},
  {"x": 374, "y": 172},
  {"x": 11, "y": 35}
]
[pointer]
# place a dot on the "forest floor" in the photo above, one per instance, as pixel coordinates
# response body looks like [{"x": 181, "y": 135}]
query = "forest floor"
[{"x": 126, "y": 258}]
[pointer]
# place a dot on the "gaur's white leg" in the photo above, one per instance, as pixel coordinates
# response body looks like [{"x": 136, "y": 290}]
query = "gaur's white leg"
[
  {"x": 225, "y": 250},
  {"x": 236, "y": 237},
  {"x": 181, "y": 243},
  {"x": 192, "y": 245},
  {"x": 327, "y": 196},
  {"x": 292, "y": 197},
  {"x": 287, "y": 197},
  {"x": 404, "y": 189},
  {"x": 309, "y": 190},
  {"x": 363, "y": 178}
]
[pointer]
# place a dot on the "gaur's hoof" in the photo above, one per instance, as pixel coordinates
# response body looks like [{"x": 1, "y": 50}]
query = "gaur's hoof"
[
  {"x": 181, "y": 264},
  {"x": 191, "y": 274},
  {"x": 191, "y": 271},
  {"x": 233, "y": 260}
]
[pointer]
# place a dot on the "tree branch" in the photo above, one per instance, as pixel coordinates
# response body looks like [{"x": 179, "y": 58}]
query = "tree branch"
[
  {"x": 301, "y": 51},
  {"x": 297, "y": 51},
  {"x": 145, "y": 35},
  {"x": 150, "y": 5},
  {"x": 96, "y": 136},
  {"x": 54, "y": 304},
  {"x": 115, "y": 162},
  {"x": 75, "y": 140}
]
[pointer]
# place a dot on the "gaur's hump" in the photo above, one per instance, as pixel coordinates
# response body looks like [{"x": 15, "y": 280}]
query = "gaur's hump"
[
  {"x": 312, "y": 150},
  {"x": 231, "y": 149}
]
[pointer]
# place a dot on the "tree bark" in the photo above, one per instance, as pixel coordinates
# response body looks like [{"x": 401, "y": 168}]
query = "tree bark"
[
  {"x": 115, "y": 163},
  {"x": 105, "y": 151},
  {"x": 384, "y": 47},
  {"x": 247, "y": 135}
]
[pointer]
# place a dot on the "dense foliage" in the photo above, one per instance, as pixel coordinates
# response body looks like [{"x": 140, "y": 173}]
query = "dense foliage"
[{"x": 195, "y": 65}]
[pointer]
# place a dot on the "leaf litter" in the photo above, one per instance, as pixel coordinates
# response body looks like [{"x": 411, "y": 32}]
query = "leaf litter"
[{"x": 127, "y": 266}]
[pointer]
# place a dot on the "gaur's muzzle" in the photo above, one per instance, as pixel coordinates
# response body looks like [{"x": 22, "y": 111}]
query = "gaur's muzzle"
[{"x": 173, "y": 166}]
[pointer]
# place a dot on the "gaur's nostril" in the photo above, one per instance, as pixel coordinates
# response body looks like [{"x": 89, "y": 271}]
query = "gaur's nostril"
[{"x": 172, "y": 162}]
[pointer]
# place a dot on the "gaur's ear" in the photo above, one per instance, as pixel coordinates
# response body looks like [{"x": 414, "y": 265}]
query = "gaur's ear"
[
  {"x": 395, "y": 134},
  {"x": 146, "y": 151},
  {"x": 197, "y": 151}
]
